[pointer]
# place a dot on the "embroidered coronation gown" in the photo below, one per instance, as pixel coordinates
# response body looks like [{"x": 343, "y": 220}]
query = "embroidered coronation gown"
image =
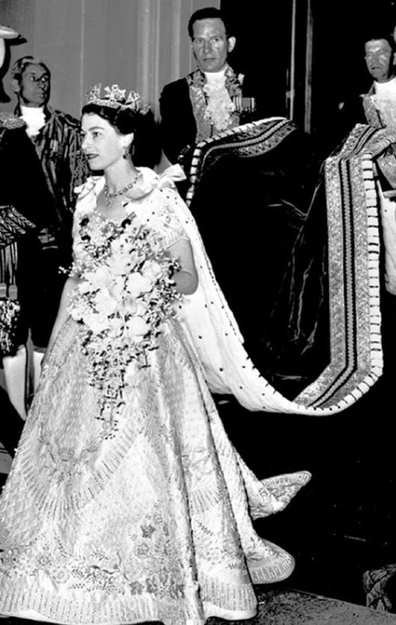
[{"x": 151, "y": 522}]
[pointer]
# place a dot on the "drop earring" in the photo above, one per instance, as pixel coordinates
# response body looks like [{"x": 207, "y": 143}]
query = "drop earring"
[{"x": 125, "y": 151}]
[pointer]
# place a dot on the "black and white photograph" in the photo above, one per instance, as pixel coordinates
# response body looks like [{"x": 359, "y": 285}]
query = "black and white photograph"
[{"x": 197, "y": 312}]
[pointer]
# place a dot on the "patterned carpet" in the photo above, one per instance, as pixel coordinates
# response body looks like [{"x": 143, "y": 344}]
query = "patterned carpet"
[{"x": 292, "y": 607}]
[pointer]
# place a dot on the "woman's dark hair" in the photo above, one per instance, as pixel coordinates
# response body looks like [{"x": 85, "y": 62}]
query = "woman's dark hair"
[{"x": 145, "y": 147}]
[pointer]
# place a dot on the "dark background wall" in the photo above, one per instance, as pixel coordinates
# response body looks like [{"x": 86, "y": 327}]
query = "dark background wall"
[{"x": 263, "y": 32}]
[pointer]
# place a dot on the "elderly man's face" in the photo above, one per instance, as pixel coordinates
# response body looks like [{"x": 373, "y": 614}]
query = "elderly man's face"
[
  {"x": 379, "y": 59},
  {"x": 210, "y": 44},
  {"x": 34, "y": 88}
]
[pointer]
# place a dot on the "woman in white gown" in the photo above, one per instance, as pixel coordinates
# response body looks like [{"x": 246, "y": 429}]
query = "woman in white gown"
[{"x": 126, "y": 501}]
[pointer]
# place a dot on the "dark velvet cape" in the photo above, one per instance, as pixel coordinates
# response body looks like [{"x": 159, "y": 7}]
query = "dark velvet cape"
[{"x": 302, "y": 277}]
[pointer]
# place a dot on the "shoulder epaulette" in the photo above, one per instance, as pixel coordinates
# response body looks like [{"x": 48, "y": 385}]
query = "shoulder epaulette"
[{"x": 11, "y": 121}]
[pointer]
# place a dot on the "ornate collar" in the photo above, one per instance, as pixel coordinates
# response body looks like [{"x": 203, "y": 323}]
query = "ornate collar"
[
  {"x": 215, "y": 107},
  {"x": 233, "y": 83},
  {"x": 10, "y": 121}
]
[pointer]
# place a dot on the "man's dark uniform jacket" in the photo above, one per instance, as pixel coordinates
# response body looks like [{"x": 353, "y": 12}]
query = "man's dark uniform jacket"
[
  {"x": 24, "y": 198},
  {"x": 178, "y": 125}
]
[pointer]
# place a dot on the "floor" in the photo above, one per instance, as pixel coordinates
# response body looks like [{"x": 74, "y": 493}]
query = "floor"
[{"x": 291, "y": 607}]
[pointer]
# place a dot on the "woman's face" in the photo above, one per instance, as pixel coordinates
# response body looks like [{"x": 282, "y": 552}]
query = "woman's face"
[{"x": 101, "y": 143}]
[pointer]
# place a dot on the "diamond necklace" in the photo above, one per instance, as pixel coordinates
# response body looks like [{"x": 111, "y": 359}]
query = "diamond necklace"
[{"x": 111, "y": 196}]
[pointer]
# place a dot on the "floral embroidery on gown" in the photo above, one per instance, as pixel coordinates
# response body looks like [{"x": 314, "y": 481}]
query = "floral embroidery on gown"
[{"x": 150, "y": 519}]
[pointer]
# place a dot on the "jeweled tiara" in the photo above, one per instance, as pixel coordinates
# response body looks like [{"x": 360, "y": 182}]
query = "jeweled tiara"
[{"x": 115, "y": 98}]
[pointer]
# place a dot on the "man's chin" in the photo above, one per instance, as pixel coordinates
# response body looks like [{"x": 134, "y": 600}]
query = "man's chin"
[
  {"x": 210, "y": 66},
  {"x": 377, "y": 74},
  {"x": 39, "y": 103}
]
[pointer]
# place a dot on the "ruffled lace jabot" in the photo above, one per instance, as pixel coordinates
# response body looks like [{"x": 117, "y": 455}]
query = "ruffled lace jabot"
[
  {"x": 34, "y": 119},
  {"x": 219, "y": 106}
]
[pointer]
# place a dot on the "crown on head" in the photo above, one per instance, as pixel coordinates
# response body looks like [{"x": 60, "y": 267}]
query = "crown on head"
[{"x": 115, "y": 98}]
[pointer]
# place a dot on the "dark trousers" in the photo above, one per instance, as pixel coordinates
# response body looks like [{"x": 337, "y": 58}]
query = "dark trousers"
[{"x": 40, "y": 286}]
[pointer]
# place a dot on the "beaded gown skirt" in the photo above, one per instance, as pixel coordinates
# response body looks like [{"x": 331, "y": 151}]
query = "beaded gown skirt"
[{"x": 146, "y": 520}]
